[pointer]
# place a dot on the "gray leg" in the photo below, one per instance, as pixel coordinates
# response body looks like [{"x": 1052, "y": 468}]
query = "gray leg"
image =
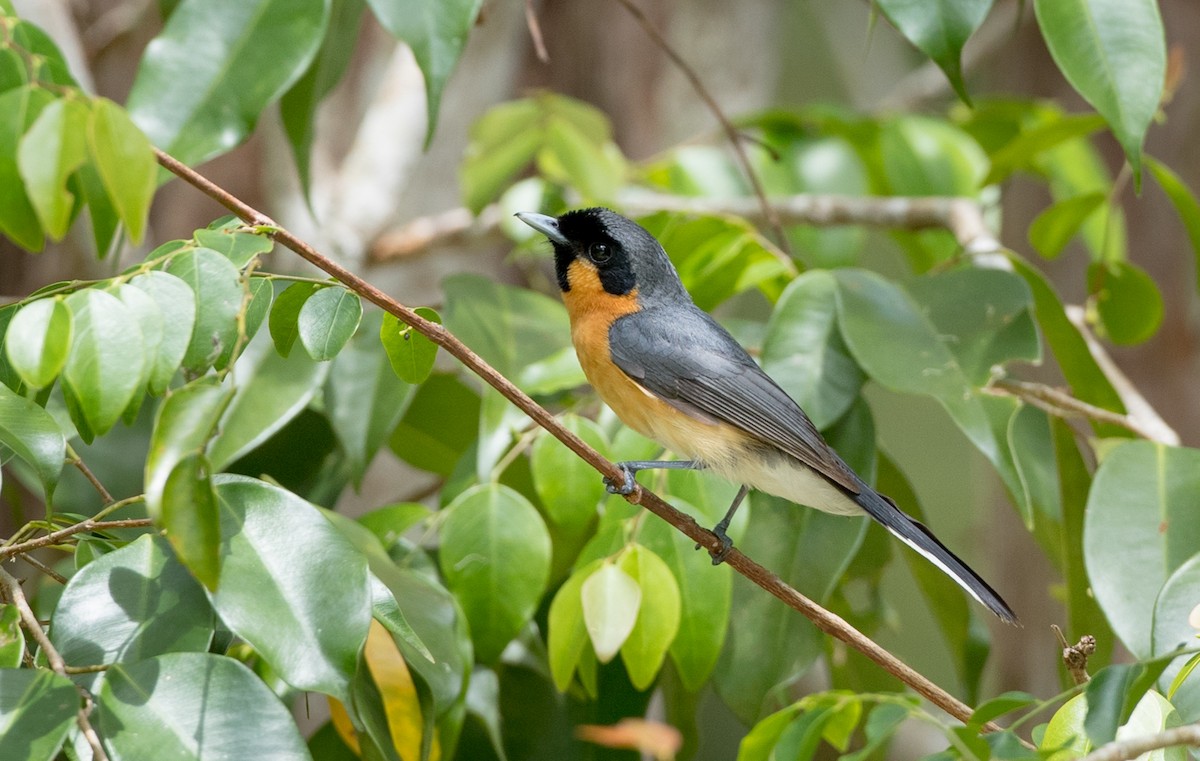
[
  {"x": 719, "y": 530},
  {"x": 630, "y": 467}
]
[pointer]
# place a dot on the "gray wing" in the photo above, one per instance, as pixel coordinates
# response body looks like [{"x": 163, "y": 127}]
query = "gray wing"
[{"x": 687, "y": 359}]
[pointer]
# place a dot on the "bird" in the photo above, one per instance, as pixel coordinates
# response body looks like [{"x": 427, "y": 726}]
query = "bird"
[{"x": 674, "y": 374}]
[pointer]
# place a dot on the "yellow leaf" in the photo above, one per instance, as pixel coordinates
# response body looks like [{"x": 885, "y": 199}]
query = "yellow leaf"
[
  {"x": 341, "y": 723},
  {"x": 399, "y": 694}
]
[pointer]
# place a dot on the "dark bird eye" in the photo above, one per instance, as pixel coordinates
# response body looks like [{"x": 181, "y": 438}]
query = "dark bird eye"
[{"x": 599, "y": 252}]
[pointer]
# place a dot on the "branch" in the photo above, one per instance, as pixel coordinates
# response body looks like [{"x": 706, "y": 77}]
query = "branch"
[
  {"x": 13, "y": 589},
  {"x": 77, "y": 461},
  {"x": 57, "y": 536},
  {"x": 1063, "y": 405},
  {"x": 963, "y": 217},
  {"x": 823, "y": 619},
  {"x": 1121, "y": 750}
]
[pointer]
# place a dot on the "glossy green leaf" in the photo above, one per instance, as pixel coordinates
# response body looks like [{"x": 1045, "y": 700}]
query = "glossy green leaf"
[
  {"x": 939, "y": 30},
  {"x": 18, "y": 220},
  {"x": 1053, "y": 229},
  {"x": 705, "y": 600},
  {"x": 1140, "y": 526},
  {"x": 48, "y": 63},
  {"x": 12, "y": 637},
  {"x": 1000, "y": 705},
  {"x": 270, "y": 391},
  {"x": 37, "y": 708},
  {"x": 327, "y": 320},
  {"x": 149, "y": 318},
  {"x": 611, "y": 599},
  {"x": 237, "y": 56},
  {"x": 285, "y": 314},
  {"x": 436, "y": 33},
  {"x": 1114, "y": 53},
  {"x": 440, "y": 425},
  {"x": 804, "y": 351},
  {"x": 51, "y": 150},
  {"x": 760, "y": 741},
  {"x": 177, "y": 302},
  {"x": 37, "y": 341},
  {"x": 191, "y": 519},
  {"x": 125, "y": 161},
  {"x": 1172, "y": 629},
  {"x": 495, "y": 557},
  {"x": 510, "y": 327},
  {"x": 570, "y": 490},
  {"x": 100, "y": 210},
  {"x": 238, "y": 245},
  {"x": 1127, "y": 299},
  {"x": 185, "y": 422},
  {"x": 1183, "y": 199},
  {"x": 104, "y": 368},
  {"x": 568, "y": 632},
  {"x": 410, "y": 353},
  {"x": 150, "y": 709},
  {"x": 128, "y": 605},
  {"x": 34, "y": 436},
  {"x": 277, "y": 592},
  {"x": 1115, "y": 693},
  {"x": 218, "y": 291},
  {"x": 386, "y": 610},
  {"x": 657, "y": 616},
  {"x": 363, "y": 398}
]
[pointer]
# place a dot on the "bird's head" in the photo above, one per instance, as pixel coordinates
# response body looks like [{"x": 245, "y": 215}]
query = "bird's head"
[{"x": 597, "y": 251}]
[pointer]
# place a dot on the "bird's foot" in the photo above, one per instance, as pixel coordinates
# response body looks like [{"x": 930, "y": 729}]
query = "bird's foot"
[
  {"x": 627, "y": 485},
  {"x": 719, "y": 555}
]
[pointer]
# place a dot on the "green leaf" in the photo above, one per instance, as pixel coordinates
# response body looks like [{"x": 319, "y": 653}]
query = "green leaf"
[
  {"x": 1114, "y": 53},
  {"x": 149, "y": 710},
  {"x": 495, "y": 557},
  {"x": 191, "y": 519},
  {"x": 1024, "y": 150},
  {"x": 939, "y": 30},
  {"x": 237, "y": 56},
  {"x": 386, "y": 610},
  {"x": 177, "y": 302},
  {"x": 994, "y": 708},
  {"x": 298, "y": 106},
  {"x": 410, "y": 353},
  {"x": 124, "y": 158},
  {"x": 568, "y": 632},
  {"x": 760, "y": 741},
  {"x": 270, "y": 392},
  {"x": 1172, "y": 628},
  {"x": 923, "y": 156},
  {"x": 238, "y": 245},
  {"x": 1184, "y": 201},
  {"x": 804, "y": 352},
  {"x": 51, "y": 150},
  {"x": 277, "y": 591},
  {"x": 611, "y": 599},
  {"x": 440, "y": 425},
  {"x": 37, "y": 341},
  {"x": 705, "y": 600},
  {"x": 101, "y": 213},
  {"x": 363, "y": 399},
  {"x": 37, "y": 709},
  {"x": 1127, "y": 299},
  {"x": 436, "y": 31},
  {"x": 1140, "y": 526},
  {"x": 12, "y": 637},
  {"x": 1053, "y": 229},
  {"x": 218, "y": 292},
  {"x": 128, "y": 605},
  {"x": 327, "y": 320},
  {"x": 105, "y": 366},
  {"x": 571, "y": 156},
  {"x": 285, "y": 314},
  {"x": 570, "y": 490},
  {"x": 1112, "y": 695},
  {"x": 510, "y": 327},
  {"x": 18, "y": 220},
  {"x": 657, "y": 617},
  {"x": 502, "y": 142},
  {"x": 34, "y": 436}
]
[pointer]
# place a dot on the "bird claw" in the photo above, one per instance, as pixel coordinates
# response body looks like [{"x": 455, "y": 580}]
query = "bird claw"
[
  {"x": 626, "y": 487},
  {"x": 719, "y": 555}
]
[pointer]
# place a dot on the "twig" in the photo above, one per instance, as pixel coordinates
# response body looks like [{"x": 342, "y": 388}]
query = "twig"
[
  {"x": 730, "y": 130},
  {"x": 55, "y": 537},
  {"x": 77, "y": 461},
  {"x": 963, "y": 217},
  {"x": 535, "y": 32},
  {"x": 1061, "y": 404},
  {"x": 1121, "y": 750},
  {"x": 39, "y": 565},
  {"x": 13, "y": 589},
  {"x": 823, "y": 619},
  {"x": 1075, "y": 657},
  {"x": 1138, "y": 408}
]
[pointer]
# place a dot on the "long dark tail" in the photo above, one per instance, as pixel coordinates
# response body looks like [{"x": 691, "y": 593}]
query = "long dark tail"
[{"x": 921, "y": 539}]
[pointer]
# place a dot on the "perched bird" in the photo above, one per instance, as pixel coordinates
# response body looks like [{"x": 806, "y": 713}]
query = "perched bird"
[{"x": 672, "y": 373}]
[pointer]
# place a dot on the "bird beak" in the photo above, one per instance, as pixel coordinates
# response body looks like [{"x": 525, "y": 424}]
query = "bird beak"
[{"x": 545, "y": 225}]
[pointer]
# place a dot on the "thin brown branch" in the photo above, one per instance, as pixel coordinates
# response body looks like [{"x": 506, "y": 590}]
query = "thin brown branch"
[
  {"x": 1061, "y": 404},
  {"x": 39, "y": 565},
  {"x": 12, "y": 588},
  {"x": 1121, "y": 750},
  {"x": 731, "y": 131},
  {"x": 55, "y": 537},
  {"x": 962, "y": 217},
  {"x": 77, "y": 461},
  {"x": 823, "y": 619},
  {"x": 1075, "y": 657}
]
